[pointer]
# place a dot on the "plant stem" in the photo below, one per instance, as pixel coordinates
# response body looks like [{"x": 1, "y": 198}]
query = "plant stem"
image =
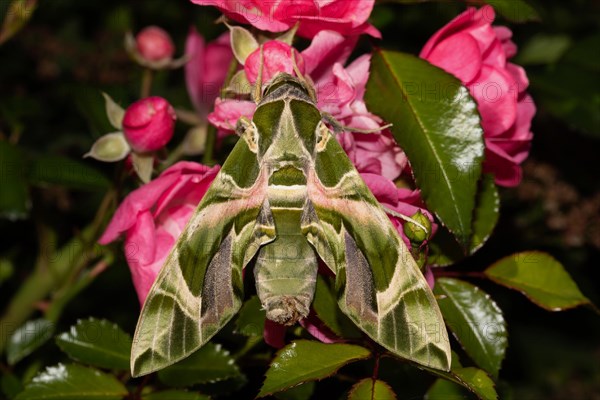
[
  {"x": 146, "y": 88},
  {"x": 54, "y": 271},
  {"x": 211, "y": 139}
]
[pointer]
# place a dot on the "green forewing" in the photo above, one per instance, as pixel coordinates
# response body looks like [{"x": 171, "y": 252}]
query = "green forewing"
[
  {"x": 380, "y": 286},
  {"x": 199, "y": 288}
]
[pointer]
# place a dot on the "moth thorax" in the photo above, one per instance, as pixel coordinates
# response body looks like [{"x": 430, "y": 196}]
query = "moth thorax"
[{"x": 287, "y": 310}]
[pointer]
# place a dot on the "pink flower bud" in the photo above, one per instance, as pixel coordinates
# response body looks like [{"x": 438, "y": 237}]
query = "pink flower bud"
[
  {"x": 154, "y": 44},
  {"x": 148, "y": 124},
  {"x": 277, "y": 57}
]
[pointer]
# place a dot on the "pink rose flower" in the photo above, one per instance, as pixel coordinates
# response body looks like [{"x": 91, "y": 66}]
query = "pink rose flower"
[
  {"x": 470, "y": 48},
  {"x": 154, "y": 44},
  {"x": 348, "y": 17},
  {"x": 375, "y": 153},
  {"x": 277, "y": 58},
  {"x": 148, "y": 124},
  {"x": 206, "y": 69},
  {"x": 153, "y": 216}
]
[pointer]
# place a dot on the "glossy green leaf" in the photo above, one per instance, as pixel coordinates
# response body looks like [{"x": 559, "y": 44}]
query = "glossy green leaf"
[
  {"x": 515, "y": 10},
  {"x": 327, "y": 310},
  {"x": 540, "y": 277},
  {"x": 211, "y": 363},
  {"x": 304, "y": 360},
  {"x": 486, "y": 213},
  {"x": 369, "y": 389},
  {"x": 73, "y": 382},
  {"x": 97, "y": 342},
  {"x": 251, "y": 318},
  {"x": 445, "y": 390},
  {"x": 474, "y": 379},
  {"x": 14, "y": 196},
  {"x": 55, "y": 170},
  {"x": 300, "y": 392},
  {"x": 444, "y": 250},
  {"x": 475, "y": 320},
  {"x": 437, "y": 124},
  {"x": 174, "y": 395},
  {"x": 27, "y": 338}
]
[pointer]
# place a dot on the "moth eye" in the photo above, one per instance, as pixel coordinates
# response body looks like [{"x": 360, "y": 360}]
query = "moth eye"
[
  {"x": 323, "y": 134},
  {"x": 247, "y": 130}
]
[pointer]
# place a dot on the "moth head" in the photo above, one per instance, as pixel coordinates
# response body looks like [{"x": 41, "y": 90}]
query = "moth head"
[{"x": 246, "y": 129}]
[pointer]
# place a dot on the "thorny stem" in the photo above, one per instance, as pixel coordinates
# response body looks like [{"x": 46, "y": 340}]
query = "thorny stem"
[{"x": 52, "y": 275}]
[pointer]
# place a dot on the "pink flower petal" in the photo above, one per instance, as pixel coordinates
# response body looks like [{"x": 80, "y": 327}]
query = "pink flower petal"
[
  {"x": 274, "y": 334},
  {"x": 228, "y": 111},
  {"x": 459, "y": 55},
  {"x": 494, "y": 92},
  {"x": 318, "y": 329},
  {"x": 326, "y": 49},
  {"x": 138, "y": 201},
  {"x": 140, "y": 240}
]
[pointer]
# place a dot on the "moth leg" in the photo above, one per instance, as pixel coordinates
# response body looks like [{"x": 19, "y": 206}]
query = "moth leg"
[{"x": 339, "y": 128}]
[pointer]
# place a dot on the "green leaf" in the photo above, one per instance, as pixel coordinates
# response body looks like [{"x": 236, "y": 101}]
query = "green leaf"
[
  {"x": 540, "y": 277},
  {"x": 73, "y": 382},
  {"x": 327, "y": 310},
  {"x": 445, "y": 390},
  {"x": 31, "y": 335},
  {"x": 97, "y": 342},
  {"x": 475, "y": 320},
  {"x": 211, "y": 363},
  {"x": 543, "y": 49},
  {"x": 10, "y": 385},
  {"x": 437, "y": 124},
  {"x": 251, "y": 318},
  {"x": 14, "y": 196},
  {"x": 304, "y": 360},
  {"x": 17, "y": 16},
  {"x": 486, "y": 213},
  {"x": 369, "y": 389},
  {"x": 6, "y": 270},
  {"x": 55, "y": 170},
  {"x": 300, "y": 392},
  {"x": 568, "y": 91},
  {"x": 174, "y": 395},
  {"x": 515, "y": 10},
  {"x": 474, "y": 379},
  {"x": 445, "y": 251}
]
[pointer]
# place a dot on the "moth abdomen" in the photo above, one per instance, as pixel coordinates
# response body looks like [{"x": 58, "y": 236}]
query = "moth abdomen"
[{"x": 286, "y": 271}]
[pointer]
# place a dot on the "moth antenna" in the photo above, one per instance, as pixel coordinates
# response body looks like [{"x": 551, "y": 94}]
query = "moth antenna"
[
  {"x": 405, "y": 218},
  {"x": 339, "y": 128},
  {"x": 257, "y": 94},
  {"x": 305, "y": 80}
]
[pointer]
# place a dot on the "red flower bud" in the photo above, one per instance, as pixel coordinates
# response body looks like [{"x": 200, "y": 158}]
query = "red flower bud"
[
  {"x": 154, "y": 44},
  {"x": 148, "y": 124}
]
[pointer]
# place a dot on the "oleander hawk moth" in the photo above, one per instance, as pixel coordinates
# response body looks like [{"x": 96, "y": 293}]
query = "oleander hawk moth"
[{"x": 286, "y": 197}]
